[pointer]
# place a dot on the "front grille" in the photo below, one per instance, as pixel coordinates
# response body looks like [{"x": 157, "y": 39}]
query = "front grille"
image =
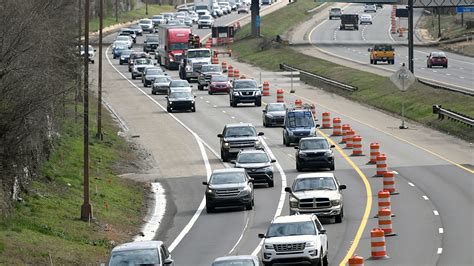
[
  {"x": 315, "y": 154},
  {"x": 232, "y": 192},
  {"x": 140, "y": 69},
  {"x": 312, "y": 203},
  {"x": 197, "y": 66},
  {"x": 242, "y": 144},
  {"x": 289, "y": 247},
  {"x": 247, "y": 93},
  {"x": 177, "y": 58},
  {"x": 302, "y": 134}
]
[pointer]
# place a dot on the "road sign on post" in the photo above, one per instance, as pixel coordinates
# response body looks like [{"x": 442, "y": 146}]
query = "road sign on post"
[
  {"x": 464, "y": 9},
  {"x": 403, "y": 79}
]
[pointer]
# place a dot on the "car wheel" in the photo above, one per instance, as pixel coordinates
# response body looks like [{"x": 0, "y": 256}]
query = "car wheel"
[
  {"x": 169, "y": 109},
  {"x": 446, "y": 66},
  {"x": 234, "y": 104},
  {"x": 371, "y": 61},
  {"x": 200, "y": 87},
  {"x": 332, "y": 167},
  {"x": 133, "y": 76},
  {"x": 375, "y": 62},
  {"x": 153, "y": 92},
  {"x": 258, "y": 103},
  {"x": 224, "y": 156},
  {"x": 249, "y": 206},
  {"x": 210, "y": 209},
  {"x": 338, "y": 218},
  {"x": 209, "y": 92},
  {"x": 144, "y": 84},
  {"x": 271, "y": 183},
  {"x": 193, "y": 109},
  {"x": 264, "y": 123},
  {"x": 299, "y": 168},
  {"x": 325, "y": 260}
]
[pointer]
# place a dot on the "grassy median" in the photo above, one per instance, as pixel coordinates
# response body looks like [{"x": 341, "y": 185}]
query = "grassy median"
[
  {"x": 373, "y": 90},
  {"x": 44, "y": 229}
]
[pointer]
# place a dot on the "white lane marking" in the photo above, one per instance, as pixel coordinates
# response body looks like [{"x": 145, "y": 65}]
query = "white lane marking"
[
  {"x": 215, "y": 106},
  {"x": 233, "y": 117},
  {"x": 461, "y": 77},
  {"x": 240, "y": 238},
  {"x": 151, "y": 226},
  {"x": 447, "y": 74},
  {"x": 199, "y": 141},
  {"x": 411, "y": 184},
  {"x": 440, "y": 250},
  {"x": 425, "y": 197},
  {"x": 435, "y": 212},
  {"x": 201, "y": 98},
  {"x": 282, "y": 192},
  {"x": 264, "y": 137},
  {"x": 207, "y": 101},
  {"x": 223, "y": 111},
  {"x": 441, "y": 230}
]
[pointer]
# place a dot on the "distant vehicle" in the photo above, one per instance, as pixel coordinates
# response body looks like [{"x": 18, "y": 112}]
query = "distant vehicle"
[
  {"x": 314, "y": 153},
  {"x": 179, "y": 85},
  {"x": 216, "y": 11},
  {"x": 183, "y": 9},
  {"x": 127, "y": 39},
  {"x": 205, "y": 21},
  {"x": 158, "y": 19},
  {"x": 149, "y": 75},
  {"x": 118, "y": 47},
  {"x": 194, "y": 16},
  {"x": 134, "y": 55},
  {"x": 226, "y": 8},
  {"x": 140, "y": 253},
  {"x": 168, "y": 16},
  {"x": 335, "y": 12},
  {"x": 137, "y": 28},
  {"x": 229, "y": 187},
  {"x": 325, "y": 188},
  {"x": 174, "y": 40},
  {"x": 147, "y": 25},
  {"x": 382, "y": 53},
  {"x": 370, "y": 8},
  {"x": 299, "y": 123},
  {"x": 349, "y": 21},
  {"x": 241, "y": 260},
  {"x": 218, "y": 83},
  {"x": 203, "y": 12},
  {"x": 180, "y": 100},
  {"x": 257, "y": 164},
  {"x": 91, "y": 52},
  {"x": 151, "y": 43},
  {"x": 365, "y": 19},
  {"x": 245, "y": 91},
  {"x": 192, "y": 62},
  {"x": 243, "y": 8},
  {"x": 267, "y": 2},
  {"x": 129, "y": 32},
  {"x": 295, "y": 238},
  {"x": 274, "y": 114},
  {"x": 437, "y": 59},
  {"x": 205, "y": 74},
  {"x": 125, "y": 56},
  {"x": 139, "y": 66},
  {"x": 233, "y": 4},
  {"x": 161, "y": 84},
  {"x": 236, "y": 137}
]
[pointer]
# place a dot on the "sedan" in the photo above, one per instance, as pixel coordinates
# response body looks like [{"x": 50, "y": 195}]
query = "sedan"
[
  {"x": 243, "y": 8},
  {"x": 274, "y": 114},
  {"x": 126, "y": 39},
  {"x": 437, "y": 59},
  {"x": 118, "y": 47},
  {"x": 314, "y": 152},
  {"x": 241, "y": 260},
  {"x": 180, "y": 85},
  {"x": 205, "y": 21},
  {"x": 370, "y": 8},
  {"x": 125, "y": 56},
  {"x": 137, "y": 28},
  {"x": 366, "y": 19},
  {"x": 180, "y": 100},
  {"x": 219, "y": 83},
  {"x": 149, "y": 75},
  {"x": 161, "y": 84}
]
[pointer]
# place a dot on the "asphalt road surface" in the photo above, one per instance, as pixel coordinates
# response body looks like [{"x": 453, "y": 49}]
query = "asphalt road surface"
[{"x": 434, "y": 210}]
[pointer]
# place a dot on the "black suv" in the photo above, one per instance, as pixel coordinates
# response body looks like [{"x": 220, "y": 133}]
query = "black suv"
[
  {"x": 314, "y": 152},
  {"x": 245, "y": 91},
  {"x": 236, "y": 137},
  {"x": 151, "y": 43}
]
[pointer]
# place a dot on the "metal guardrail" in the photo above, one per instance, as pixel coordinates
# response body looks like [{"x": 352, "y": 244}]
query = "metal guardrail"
[
  {"x": 323, "y": 79},
  {"x": 442, "y": 87},
  {"x": 437, "y": 109}
]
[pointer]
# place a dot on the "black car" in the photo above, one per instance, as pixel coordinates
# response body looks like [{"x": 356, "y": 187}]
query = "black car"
[
  {"x": 274, "y": 114},
  {"x": 151, "y": 43},
  {"x": 229, "y": 187},
  {"x": 245, "y": 91},
  {"x": 124, "y": 56},
  {"x": 237, "y": 137},
  {"x": 314, "y": 152},
  {"x": 180, "y": 100},
  {"x": 258, "y": 165}
]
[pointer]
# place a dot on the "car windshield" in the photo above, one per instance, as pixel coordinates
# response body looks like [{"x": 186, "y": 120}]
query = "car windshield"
[
  {"x": 240, "y": 132},
  {"x": 253, "y": 158},
  {"x": 300, "y": 120},
  {"x": 317, "y": 183},
  {"x": 154, "y": 72},
  {"x": 123, "y": 38},
  {"x": 127, "y": 52},
  {"x": 181, "y": 94},
  {"x": 236, "y": 262},
  {"x": 135, "y": 257},
  {"x": 314, "y": 144},
  {"x": 439, "y": 54},
  {"x": 157, "y": 17},
  {"x": 143, "y": 61},
  {"x": 219, "y": 79},
  {"x": 209, "y": 68},
  {"x": 145, "y": 21},
  {"x": 199, "y": 53},
  {"x": 247, "y": 84},
  {"x": 227, "y": 178},
  {"x": 205, "y": 17},
  {"x": 179, "y": 83},
  {"x": 90, "y": 48},
  {"x": 162, "y": 80},
  {"x": 152, "y": 39},
  {"x": 383, "y": 48},
  {"x": 291, "y": 229},
  {"x": 135, "y": 26},
  {"x": 276, "y": 107},
  {"x": 179, "y": 46}
]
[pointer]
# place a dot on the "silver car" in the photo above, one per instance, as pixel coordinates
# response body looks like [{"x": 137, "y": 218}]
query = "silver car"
[
  {"x": 257, "y": 164},
  {"x": 241, "y": 260},
  {"x": 205, "y": 21},
  {"x": 161, "y": 84},
  {"x": 140, "y": 253},
  {"x": 274, "y": 114}
]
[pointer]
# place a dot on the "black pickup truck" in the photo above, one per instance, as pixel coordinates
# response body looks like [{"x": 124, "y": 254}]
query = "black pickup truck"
[{"x": 151, "y": 43}]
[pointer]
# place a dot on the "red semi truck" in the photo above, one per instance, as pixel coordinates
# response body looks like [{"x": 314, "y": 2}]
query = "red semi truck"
[{"x": 174, "y": 40}]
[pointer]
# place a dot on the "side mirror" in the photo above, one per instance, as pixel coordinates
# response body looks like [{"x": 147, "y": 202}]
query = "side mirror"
[
  {"x": 333, "y": 146},
  {"x": 251, "y": 180},
  {"x": 233, "y": 161},
  {"x": 260, "y": 86},
  {"x": 322, "y": 231},
  {"x": 194, "y": 96},
  {"x": 317, "y": 125},
  {"x": 342, "y": 187},
  {"x": 95, "y": 50},
  {"x": 205, "y": 183},
  {"x": 427, "y": 56},
  {"x": 297, "y": 148},
  {"x": 168, "y": 261},
  {"x": 288, "y": 189},
  {"x": 273, "y": 161},
  {"x": 264, "y": 111},
  {"x": 261, "y": 133},
  {"x": 261, "y": 235},
  {"x": 220, "y": 136},
  {"x": 166, "y": 97}
]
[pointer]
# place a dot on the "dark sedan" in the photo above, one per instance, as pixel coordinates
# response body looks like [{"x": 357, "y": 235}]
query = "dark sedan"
[
  {"x": 125, "y": 56},
  {"x": 274, "y": 114},
  {"x": 180, "y": 100}
]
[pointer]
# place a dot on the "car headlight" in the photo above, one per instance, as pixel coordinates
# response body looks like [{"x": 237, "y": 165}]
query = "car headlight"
[
  {"x": 210, "y": 190},
  {"x": 268, "y": 169},
  {"x": 301, "y": 154},
  {"x": 226, "y": 144},
  {"x": 246, "y": 190},
  {"x": 236, "y": 94},
  {"x": 188, "y": 68},
  {"x": 269, "y": 115},
  {"x": 122, "y": 58},
  {"x": 258, "y": 143},
  {"x": 328, "y": 154},
  {"x": 335, "y": 202},
  {"x": 290, "y": 133},
  {"x": 268, "y": 246},
  {"x": 258, "y": 92},
  {"x": 310, "y": 244},
  {"x": 171, "y": 102},
  {"x": 192, "y": 101},
  {"x": 293, "y": 203}
]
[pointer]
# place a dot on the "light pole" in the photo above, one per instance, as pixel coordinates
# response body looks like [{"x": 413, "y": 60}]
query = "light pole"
[
  {"x": 116, "y": 10},
  {"x": 99, "y": 100},
  {"x": 146, "y": 7}
]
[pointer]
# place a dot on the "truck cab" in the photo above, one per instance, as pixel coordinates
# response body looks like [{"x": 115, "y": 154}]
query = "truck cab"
[
  {"x": 192, "y": 62},
  {"x": 173, "y": 42},
  {"x": 382, "y": 53},
  {"x": 349, "y": 21}
]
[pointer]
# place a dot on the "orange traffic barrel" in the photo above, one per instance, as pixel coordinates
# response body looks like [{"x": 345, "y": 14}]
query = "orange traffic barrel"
[
  {"x": 280, "y": 98},
  {"x": 345, "y": 128},
  {"x": 349, "y": 139},
  {"x": 385, "y": 222},
  {"x": 215, "y": 60},
  {"x": 357, "y": 146},
  {"x": 374, "y": 151},
  {"x": 230, "y": 71},
  {"x": 224, "y": 66},
  {"x": 389, "y": 182},
  {"x": 326, "y": 120},
  {"x": 377, "y": 239},
  {"x": 336, "y": 127},
  {"x": 356, "y": 261},
  {"x": 384, "y": 200},
  {"x": 236, "y": 73},
  {"x": 381, "y": 165},
  {"x": 298, "y": 103},
  {"x": 266, "y": 88}
]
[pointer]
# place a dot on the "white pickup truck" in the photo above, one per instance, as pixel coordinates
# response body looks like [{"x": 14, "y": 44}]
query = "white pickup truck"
[{"x": 295, "y": 238}]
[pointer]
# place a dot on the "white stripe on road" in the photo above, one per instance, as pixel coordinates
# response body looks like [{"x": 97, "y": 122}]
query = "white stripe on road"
[
  {"x": 435, "y": 212},
  {"x": 440, "y": 250},
  {"x": 441, "y": 230},
  {"x": 425, "y": 197},
  {"x": 152, "y": 225},
  {"x": 411, "y": 184}
]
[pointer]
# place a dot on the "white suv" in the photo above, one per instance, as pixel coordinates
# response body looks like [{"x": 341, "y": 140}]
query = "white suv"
[{"x": 296, "y": 238}]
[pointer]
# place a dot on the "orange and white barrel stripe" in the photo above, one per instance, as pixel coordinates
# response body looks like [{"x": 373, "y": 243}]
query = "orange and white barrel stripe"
[
  {"x": 298, "y": 103},
  {"x": 266, "y": 88},
  {"x": 326, "y": 120},
  {"x": 374, "y": 151},
  {"x": 377, "y": 238},
  {"x": 224, "y": 66},
  {"x": 389, "y": 182},
  {"x": 357, "y": 146},
  {"x": 236, "y": 73},
  {"x": 345, "y": 128},
  {"x": 349, "y": 140},
  {"x": 336, "y": 127},
  {"x": 280, "y": 98},
  {"x": 385, "y": 221},
  {"x": 243, "y": 77},
  {"x": 356, "y": 261},
  {"x": 384, "y": 200},
  {"x": 215, "y": 60},
  {"x": 381, "y": 165},
  {"x": 230, "y": 71}
]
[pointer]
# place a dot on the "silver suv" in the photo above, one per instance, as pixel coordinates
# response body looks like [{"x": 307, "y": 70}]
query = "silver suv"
[
  {"x": 335, "y": 12},
  {"x": 258, "y": 165},
  {"x": 237, "y": 137},
  {"x": 318, "y": 193},
  {"x": 297, "y": 238},
  {"x": 140, "y": 253}
]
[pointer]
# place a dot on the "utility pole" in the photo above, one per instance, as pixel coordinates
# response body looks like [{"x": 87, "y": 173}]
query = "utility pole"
[
  {"x": 439, "y": 22},
  {"x": 146, "y": 7},
  {"x": 255, "y": 14},
  {"x": 86, "y": 208},
  {"x": 116, "y": 10},
  {"x": 79, "y": 76},
  {"x": 410, "y": 37},
  {"x": 99, "y": 100}
]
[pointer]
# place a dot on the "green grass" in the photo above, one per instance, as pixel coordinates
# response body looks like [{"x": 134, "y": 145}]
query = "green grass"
[
  {"x": 46, "y": 225},
  {"x": 129, "y": 16},
  {"x": 373, "y": 90}
]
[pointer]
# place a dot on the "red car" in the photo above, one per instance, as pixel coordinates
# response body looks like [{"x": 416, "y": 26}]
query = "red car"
[
  {"x": 437, "y": 59},
  {"x": 219, "y": 83}
]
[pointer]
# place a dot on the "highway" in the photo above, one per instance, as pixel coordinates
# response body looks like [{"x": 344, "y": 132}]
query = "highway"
[
  {"x": 435, "y": 176},
  {"x": 352, "y": 45}
]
